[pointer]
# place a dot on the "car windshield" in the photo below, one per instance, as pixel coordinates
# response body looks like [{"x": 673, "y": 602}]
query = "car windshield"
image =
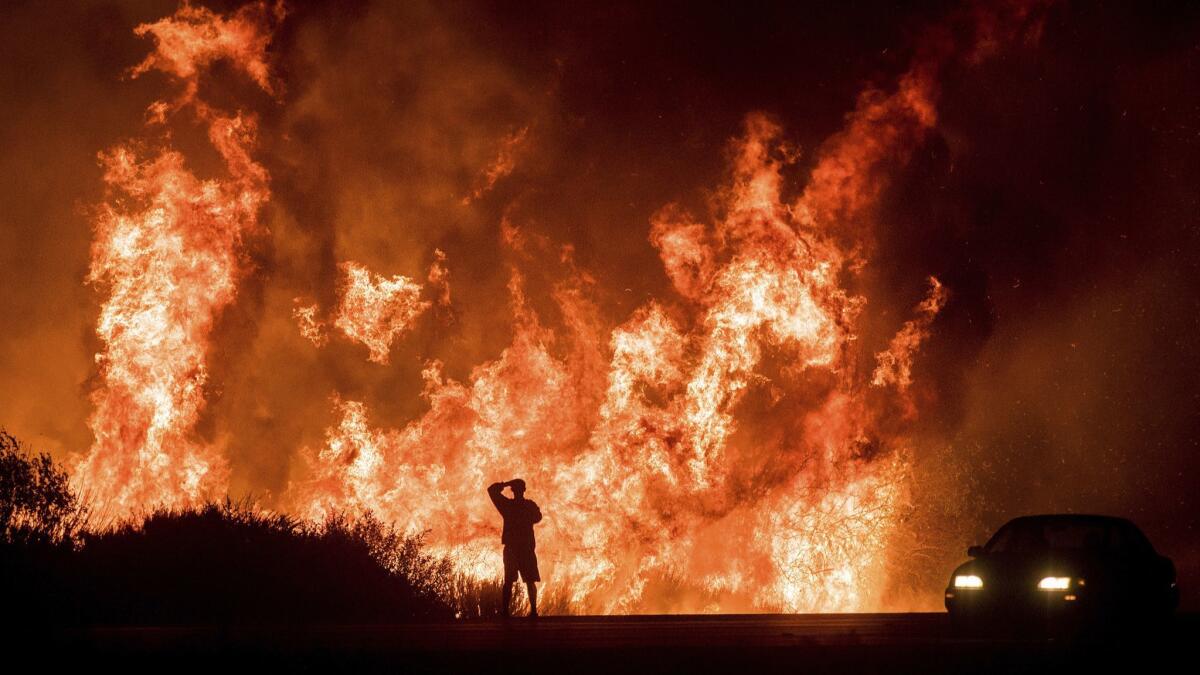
[{"x": 1055, "y": 534}]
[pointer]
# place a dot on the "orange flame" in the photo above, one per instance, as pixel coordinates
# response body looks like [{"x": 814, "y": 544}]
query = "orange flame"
[
  {"x": 895, "y": 364},
  {"x": 166, "y": 249},
  {"x": 374, "y": 310},
  {"x": 439, "y": 277},
  {"x": 311, "y": 326},
  {"x": 503, "y": 165}
]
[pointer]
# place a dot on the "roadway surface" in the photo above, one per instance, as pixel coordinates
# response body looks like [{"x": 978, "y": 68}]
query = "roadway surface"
[{"x": 842, "y": 643}]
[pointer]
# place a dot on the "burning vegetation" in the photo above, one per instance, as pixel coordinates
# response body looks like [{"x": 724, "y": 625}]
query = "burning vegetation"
[{"x": 733, "y": 445}]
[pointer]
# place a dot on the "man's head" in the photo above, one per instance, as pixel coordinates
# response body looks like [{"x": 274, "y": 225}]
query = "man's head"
[{"x": 518, "y": 488}]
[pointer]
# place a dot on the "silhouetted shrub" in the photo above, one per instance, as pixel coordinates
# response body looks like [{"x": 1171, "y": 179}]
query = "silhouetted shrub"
[
  {"x": 36, "y": 502},
  {"x": 220, "y": 563},
  {"x": 399, "y": 553},
  {"x": 475, "y": 599},
  {"x": 40, "y": 522},
  {"x": 228, "y": 563}
]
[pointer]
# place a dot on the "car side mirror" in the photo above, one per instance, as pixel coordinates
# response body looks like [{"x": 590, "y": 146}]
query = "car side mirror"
[{"x": 975, "y": 551}]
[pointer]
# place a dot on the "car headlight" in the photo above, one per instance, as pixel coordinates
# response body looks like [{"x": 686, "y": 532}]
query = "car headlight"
[
  {"x": 1054, "y": 583},
  {"x": 967, "y": 581}
]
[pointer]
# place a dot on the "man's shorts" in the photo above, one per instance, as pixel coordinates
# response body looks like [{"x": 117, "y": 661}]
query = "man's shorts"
[{"x": 523, "y": 560}]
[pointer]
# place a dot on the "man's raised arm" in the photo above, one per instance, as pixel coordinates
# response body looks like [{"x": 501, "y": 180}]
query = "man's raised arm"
[{"x": 494, "y": 491}]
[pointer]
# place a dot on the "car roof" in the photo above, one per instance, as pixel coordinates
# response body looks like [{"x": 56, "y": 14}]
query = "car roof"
[{"x": 1077, "y": 517}]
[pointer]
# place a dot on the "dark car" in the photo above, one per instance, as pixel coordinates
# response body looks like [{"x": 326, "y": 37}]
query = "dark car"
[{"x": 1064, "y": 567}]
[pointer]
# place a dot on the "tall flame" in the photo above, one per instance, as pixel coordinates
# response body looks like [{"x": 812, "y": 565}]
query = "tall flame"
[{"x": 166, "y": 249}]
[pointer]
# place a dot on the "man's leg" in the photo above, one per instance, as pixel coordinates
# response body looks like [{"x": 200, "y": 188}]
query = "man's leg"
[
  {"x": 532, "y": 597},
  {"x": 510, "y": 578}
]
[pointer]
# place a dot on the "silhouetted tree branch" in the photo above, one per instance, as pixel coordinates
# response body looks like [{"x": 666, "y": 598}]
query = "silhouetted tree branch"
[{"x": 37, "y": 505}]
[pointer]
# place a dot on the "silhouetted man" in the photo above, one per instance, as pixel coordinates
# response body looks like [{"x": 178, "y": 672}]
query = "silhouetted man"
[{"x": 519, "y": 557}]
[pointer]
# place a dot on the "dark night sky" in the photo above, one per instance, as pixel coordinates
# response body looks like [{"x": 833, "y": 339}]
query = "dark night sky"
[{"x": 1058, "y": 198}]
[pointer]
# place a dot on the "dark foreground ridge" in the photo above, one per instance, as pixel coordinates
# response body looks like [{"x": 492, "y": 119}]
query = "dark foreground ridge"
[
  {"x": 843, "y": 643},
  {"x": 224, "y": 587}
]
